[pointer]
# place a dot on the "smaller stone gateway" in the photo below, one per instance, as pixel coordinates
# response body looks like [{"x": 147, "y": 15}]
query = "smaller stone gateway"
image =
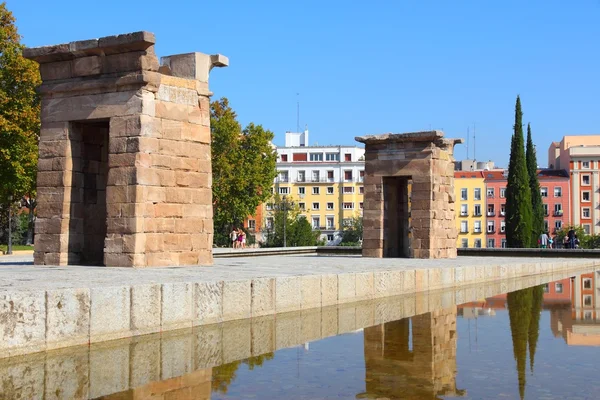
[
  {"x": 124, "y": 173},
  {"x": 409, "y": 195}
]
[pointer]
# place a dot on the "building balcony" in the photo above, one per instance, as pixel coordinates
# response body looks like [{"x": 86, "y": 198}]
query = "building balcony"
[
  {"x": 491, "y": 230},
  {"x": 462, "y": 214},
  {"x": 558, "y": 213},
  {"x": 491, "y": 213},
  {"x": 478, "y": 231}
]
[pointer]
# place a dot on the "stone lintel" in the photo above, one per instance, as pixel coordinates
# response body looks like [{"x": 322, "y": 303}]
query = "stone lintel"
[
  {"x": 150, "y": 79},
  {"x": 124, "y": 43},
  {"x": 192, "y": 65},
  {"x": 425, "y": 136}
]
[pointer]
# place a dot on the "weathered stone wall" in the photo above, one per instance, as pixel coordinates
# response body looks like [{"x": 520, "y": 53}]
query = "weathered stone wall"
[
  {"x": 157, "y": 197},
  {"x": 427, "y": 160}
]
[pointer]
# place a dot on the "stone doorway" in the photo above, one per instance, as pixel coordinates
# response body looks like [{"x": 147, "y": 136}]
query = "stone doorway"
[
  {"x": 89, "y": 157},
  {"x": 396, "y": 217}
]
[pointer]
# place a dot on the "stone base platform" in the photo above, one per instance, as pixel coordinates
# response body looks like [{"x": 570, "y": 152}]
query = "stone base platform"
[{"x": 46, "y": 307}]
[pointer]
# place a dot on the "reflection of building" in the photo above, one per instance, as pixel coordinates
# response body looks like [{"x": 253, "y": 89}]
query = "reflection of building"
[
  {"x": 412, "y": 358},
  {"x": 585, "y": 312}
]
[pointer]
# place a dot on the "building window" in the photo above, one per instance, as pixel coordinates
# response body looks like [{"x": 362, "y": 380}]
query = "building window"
[
  {"x": 464, "y": 210},
  {"x": 490, "y": 192},
  {"x": 503, "y": 243},
  {"x": 269, "y": 206},
  {"x": 316, "y": 222},
  {"x": 557, "y": 191},
  {"x": 332, "y": 157},
  {"x": 585, "y": 165},
  {"x": 477, "y": 194},
  {"x": 315, "y": 206},
  {"x": 477, "y": 226},
  {"x": 544, "y": 191},
  {"x": 348, "y": 189},
  {"x": 502, "y": 193},
  {"x": 330, "y": 206},
  {"x": 477, "y": 243},
  {"x": 330, "y": 223},
  {"x": 491, "y": 227},
  {"x": 502, "y": 226},
  {"x": 545, "y": 225},
  {"x": 585, "y": 180},
  {"x": 491, "y": 212},
  {"x": 587, "y": 283},
  {"x": 302, "y": 206},
  {"x": 347, "y": 157},
  {"x": 587, "y": 316},
  {"x": 545, "y": 207},
  {"x": 585, "y": 212},
  {"x": 301, "y": 176},
  {"x": 348, "y": 176},
  {"x": 491, "y": 243},
  {"x": 284, "y": 158},
  {"x": 586, "y": 228},
  {"x": 329, "y": 176},
  {"x": 585, "y": 196},
  {"x": 330, "y": 237},
  {"x": 464, "y": 226},
  {"x": 315, "y": 190},
  {"x": 348, "y": 206},
  {"x": 316, "y": 156},
  {"x": 284, "y": 190},
  {"x": 329, "y": 189},
  {"x": 301, "y": 190},
  {"x": 282, "y": 176},
  {"x": 361, "y": 190},
  {"x": 465, "y": 243},
  {"x": 316, "y": 176},
  {"x": 360, "y": 205},
  {"x": 558, "y": 225},
  {"x": 463, "y": 194},
  {"x": 503, "y": 209},
  {"x": 587, "y": 301},
  {"x": 269, "y": 222},
  {"x": 546, "y": 288},
  {"x": 361, "y": 175},
  {"x": 477, "y": 210},
  {"x": 558, "y": 212},
  {"x": 558, "y": 287},
  {"x": 251, "y": 224}
]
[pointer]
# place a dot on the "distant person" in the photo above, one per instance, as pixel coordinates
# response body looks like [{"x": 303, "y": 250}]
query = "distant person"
[
  {"x": 550, "y": 243},
  {"x": 543, "y": 240},
  {"x": 571, "y": 238},
  {"x": 233, "y": 236}
]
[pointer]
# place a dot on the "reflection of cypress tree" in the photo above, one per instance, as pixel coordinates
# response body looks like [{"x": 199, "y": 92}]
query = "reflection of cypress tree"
[
  {"x": 519, "y": 312},
  {"x": 534, "y": 325},
  {"x": 224, "y": 375}
]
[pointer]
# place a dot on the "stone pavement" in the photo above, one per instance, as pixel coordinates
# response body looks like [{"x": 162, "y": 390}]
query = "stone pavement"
[{"x": 49, "y": 307}]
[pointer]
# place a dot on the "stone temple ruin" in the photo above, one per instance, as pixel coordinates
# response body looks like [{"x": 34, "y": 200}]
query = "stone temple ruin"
[
  {"x": 124, "y": 158},
  {"x": 409, "y": 196}
]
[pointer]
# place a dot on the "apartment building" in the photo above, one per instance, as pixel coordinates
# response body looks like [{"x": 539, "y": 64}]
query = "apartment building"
[
  {"x": 325, "y": 182},
  {"x": 469, "y": 187},
  {"x": 580, "y": 155}
]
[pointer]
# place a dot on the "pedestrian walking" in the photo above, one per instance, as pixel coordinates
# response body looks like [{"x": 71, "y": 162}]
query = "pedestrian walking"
[
  {"x": 233, "y": 237},
  {"x": 543, "y": 240}
]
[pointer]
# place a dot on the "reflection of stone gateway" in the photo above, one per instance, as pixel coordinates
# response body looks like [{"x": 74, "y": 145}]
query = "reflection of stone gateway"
[
  {"x": 124, "y": 160},
  {"x": 419, "y": 224}
]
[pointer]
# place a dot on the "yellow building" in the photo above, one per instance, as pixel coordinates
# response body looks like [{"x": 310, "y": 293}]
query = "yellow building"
[
  {"x": 325, "y": 182},
  {"x": 469, "y": 188}
]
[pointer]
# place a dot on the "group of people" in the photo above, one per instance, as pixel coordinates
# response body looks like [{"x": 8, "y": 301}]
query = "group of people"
[
  {"x": 570, "y": 241},
  {"x": 238, "y": 238}
]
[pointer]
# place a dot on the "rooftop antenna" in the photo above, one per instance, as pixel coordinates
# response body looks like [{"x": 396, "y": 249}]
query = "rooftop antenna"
[
  {"x": 468, "y": 133},
  {"x": 298, "y": 112}
]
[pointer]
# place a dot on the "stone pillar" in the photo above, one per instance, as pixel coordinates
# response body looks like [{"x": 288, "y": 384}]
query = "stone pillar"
[
  {"x": 424, "y": 161},
  {"x": 124, "y": 154}
]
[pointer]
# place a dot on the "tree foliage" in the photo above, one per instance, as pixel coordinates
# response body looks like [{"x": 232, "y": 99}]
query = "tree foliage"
[
  {"x": 243, "y": 165},
  {"x": 224, "y": 375},
  {"x": 352, "y": 231},
  {"x": 518, "y": 192},
  {"x": 298, "y": 231},
  {"x": 19, "y": 117},
  {"x": 537, "y": 205}
]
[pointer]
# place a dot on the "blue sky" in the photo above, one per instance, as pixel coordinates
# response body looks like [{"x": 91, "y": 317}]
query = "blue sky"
[{"x": 371, "y": 67}]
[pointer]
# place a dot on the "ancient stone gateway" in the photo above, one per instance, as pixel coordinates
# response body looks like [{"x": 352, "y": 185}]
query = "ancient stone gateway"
[
  {"x": 124, "y": 176},
  {"x": 409, "y": 195}
]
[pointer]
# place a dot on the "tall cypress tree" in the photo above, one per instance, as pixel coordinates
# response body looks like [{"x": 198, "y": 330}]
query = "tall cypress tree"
[
  {"x": 537, "y": 299},
  {"x": 519, "y": 312},
  {"x": 537, "y": 220},
  {"x": 518, "y": 193}
]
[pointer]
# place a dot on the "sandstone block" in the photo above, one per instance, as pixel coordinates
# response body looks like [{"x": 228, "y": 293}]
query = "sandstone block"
[
  {"x": 311, "y": 291},
  {"x": 177, "y": 305},
  {"x": 109, "y": 313},
  {"x": 346, "y": 287},
  {"x": 22, "y": 322},
  {"x": 146, "y": 304},
  {"x": 263, "y": 296},
  {"x": 236, "y": 300},
  {"x": 208, "y": 302},
  {"x": 55, "y": 70},
  {"x": 86, "y": 66},
  {"x": 329, "y": 290},
  {"x": 288, "y": 293}
]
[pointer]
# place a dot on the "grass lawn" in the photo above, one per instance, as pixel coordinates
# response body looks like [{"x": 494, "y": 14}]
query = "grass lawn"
[{"x": 16, "y": 247}]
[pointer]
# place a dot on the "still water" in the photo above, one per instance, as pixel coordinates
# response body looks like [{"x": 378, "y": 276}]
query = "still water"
[{"x": 540, "y": 342}]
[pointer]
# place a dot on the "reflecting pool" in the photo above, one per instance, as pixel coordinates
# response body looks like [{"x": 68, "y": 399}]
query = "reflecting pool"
[{"x": 535, "y": 342}]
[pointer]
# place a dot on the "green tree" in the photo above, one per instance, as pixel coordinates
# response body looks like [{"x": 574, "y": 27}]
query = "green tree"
[
  {"x": 518, "y": 192},
  {"x": 537, "y": 220},
  {"x": 302, "y": 233},
  {"x": 19, "y": 116},
  {"x": 352, "y": 231},
  {"x": 519, "y": 312},
  {"x": 298, "y": 231},
  {"x": 224, "y": 375},
  {"x": 583, "y": 238},
  {"x": 243, "y": 166},
  {"x": 537, "y": 299}
]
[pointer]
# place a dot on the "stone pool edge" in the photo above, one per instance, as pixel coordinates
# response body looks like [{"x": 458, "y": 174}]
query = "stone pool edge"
[{"x": 33, "y": 321}]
